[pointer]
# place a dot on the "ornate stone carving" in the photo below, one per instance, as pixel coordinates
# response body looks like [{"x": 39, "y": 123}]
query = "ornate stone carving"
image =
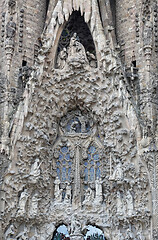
[
  {"x": 68, "y": 194},
  {"x": 130, "y": 204},
  {"x": 34, "y": 205},
  {"x": 22, "y": 203},
  {"x": 75, "y": 117},
  {"x": 98, "y": 190},
  {"x": 117, "y": 174},
  {"x": 120, "y": 205},
  {"x": 75, "y": 226},
  {"x": 10, "y": 29},
  {"x": 9, "y": 234},
  {"x": 89, "y": 197},
  {"x": 35, "y": 171},
  {"x": 57, "y": 191},
  {"x": 23, "y": 235}
]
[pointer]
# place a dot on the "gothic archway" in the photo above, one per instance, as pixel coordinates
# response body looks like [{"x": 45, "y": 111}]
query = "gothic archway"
[{"x": 76, "y": 24}]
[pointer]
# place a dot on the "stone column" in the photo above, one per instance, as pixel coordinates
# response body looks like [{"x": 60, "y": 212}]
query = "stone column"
[{"x": 77, "y": 188}]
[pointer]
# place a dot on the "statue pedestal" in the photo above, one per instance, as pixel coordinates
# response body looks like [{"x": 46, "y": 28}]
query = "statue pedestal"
[{"x": 76, "y": 236}]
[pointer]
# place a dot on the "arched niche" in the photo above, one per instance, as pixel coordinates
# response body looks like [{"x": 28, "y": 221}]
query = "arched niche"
[
  {"x": 76, "y": 24},
  {"x": 94, "y": 233},
  {"x": 61, "y": 233}
]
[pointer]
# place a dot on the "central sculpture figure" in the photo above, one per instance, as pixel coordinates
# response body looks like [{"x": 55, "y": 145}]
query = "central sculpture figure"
[{"x": 74, "y": 56}]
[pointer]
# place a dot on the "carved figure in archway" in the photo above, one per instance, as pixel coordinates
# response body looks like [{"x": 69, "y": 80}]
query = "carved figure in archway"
[
  {"x": 58, "y": 191},
  {"x": 10, "y": 29},
  {"x": 91, "y": 59},
  {"x": 61, "y": 61},
  {"x": 22, "y": 202},
  {"x": 130, "y": 204},
  {"x": 89, "y": 197},
  {"x": 67, "y": 198},
  {"x": 76, "y": 53},
  {"x": 118, "y": 173},
  {"x": 98, "y": 189},
  {"x": 34, "y": 205},
  {"x": 120, "y": 206},
  {"x": 35, "y": 171},
  {"x": 74, "y": 127}
]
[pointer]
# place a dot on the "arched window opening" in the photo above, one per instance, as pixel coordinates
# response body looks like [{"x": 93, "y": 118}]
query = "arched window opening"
[
  {"x": 76, "y": 24},
  {"x": 92, "y": 165},
  {"x": 63, "y": 163},
  {"x": 94, "y": 233},
  {"x": 77, "y": 161},
  {"x": 61, "y": 233}
]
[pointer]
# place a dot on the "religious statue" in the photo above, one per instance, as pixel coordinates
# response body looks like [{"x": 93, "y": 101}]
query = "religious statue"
[
  {"x": 10, "y": 29},
  {"x": 118, "y": 173},
  {"x": 62, "y": 58},
  {"x": 91, "y": 59},
  {"x": 130, "y": 204},
  {"x": 148, "y": 33},
  {"x": 57, "y": 190},
  {"x": 120, "y": 206},
  {"x": 83, "y": 122},
  {"x": 76, "y": 53},
  {"x": 99, "y": 191},
  {"x": 34, "y": 205},
  {"x": 89, "y": 197},
  {"x": 74, "y": 126},
  {"x": 22, "y": 202},
  {"x": 67, "y": 198},
  {"x": 35, "y": 171}
]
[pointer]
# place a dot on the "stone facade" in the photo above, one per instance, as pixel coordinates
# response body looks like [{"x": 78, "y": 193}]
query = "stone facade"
[{"x": 78, "y": 123}]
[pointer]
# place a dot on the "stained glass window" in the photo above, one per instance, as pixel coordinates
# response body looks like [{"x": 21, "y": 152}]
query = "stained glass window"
[
  {"x": 92, "y": 166},
  {"x": 63, "y": 164}
]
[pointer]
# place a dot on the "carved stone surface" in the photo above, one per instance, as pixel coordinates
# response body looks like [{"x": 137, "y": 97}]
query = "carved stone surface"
[{"x": 82, "y": 146}]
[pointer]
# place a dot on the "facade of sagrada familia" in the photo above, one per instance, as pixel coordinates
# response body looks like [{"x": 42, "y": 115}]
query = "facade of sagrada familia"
[{"x": 78, "y": 119}]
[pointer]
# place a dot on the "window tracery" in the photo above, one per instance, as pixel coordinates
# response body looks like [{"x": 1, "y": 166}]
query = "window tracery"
[
  {"x": 63, "y": 158},
  {"x": 77, "y": 155},
  {"x": 92, "y": 165}
]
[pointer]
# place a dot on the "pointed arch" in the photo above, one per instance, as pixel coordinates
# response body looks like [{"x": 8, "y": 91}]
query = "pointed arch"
[{"x": 76, "y": 24}]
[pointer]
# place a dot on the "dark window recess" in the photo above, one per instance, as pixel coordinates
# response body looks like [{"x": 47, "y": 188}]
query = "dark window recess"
[
  {"x": 24, "y": 63},
  {"x": 134, "y": 63},
  {"x": 47, "y": 5}
]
